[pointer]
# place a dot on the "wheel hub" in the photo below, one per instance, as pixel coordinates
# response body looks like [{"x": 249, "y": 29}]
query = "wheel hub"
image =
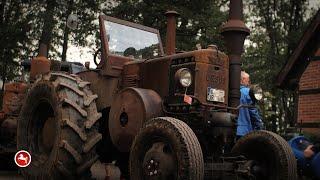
[
  {"x": 152, "y": 167},
  {"x": 159, "y": 162}
]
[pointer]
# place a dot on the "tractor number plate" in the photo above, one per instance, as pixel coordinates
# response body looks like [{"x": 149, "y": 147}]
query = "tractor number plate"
[{"x": 215, "y": 95}]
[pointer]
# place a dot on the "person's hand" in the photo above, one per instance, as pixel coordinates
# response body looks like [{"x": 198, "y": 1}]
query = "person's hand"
[{"x": 308, "y": 153}]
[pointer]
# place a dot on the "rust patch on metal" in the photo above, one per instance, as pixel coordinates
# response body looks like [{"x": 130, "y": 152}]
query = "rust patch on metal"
[
  {"x": 130, "y": 109},
  {"x": 39, "y": 65},
  {"x": 2, "y": 116},
  {"x": 14, "y": 94},
  {"x": 235, "y": 32},
  {"x": 171, "y": 32}
]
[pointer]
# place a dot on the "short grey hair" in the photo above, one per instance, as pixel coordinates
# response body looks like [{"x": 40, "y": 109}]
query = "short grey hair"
[{"x": 244, "y": 74}]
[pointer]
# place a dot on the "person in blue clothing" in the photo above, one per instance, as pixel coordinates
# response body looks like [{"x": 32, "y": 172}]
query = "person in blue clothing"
[{"x": 249, "y": 118}]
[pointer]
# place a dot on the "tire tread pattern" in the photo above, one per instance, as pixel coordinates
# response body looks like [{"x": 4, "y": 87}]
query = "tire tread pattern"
[
  {"x": 286, "y": 157},
  {"x": 71, "y": 159},
  {"x": 192, "y": 165}
]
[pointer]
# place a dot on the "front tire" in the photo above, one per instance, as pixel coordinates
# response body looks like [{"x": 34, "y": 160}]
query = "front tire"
[
  {"x": 166, "y": 148},
  {"x": 270, "y": 153},
  {"x": 57, "y": 126}
]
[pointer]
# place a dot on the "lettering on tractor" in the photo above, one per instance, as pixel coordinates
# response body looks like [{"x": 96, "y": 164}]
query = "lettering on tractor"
[{"x": 133, "y": 109}]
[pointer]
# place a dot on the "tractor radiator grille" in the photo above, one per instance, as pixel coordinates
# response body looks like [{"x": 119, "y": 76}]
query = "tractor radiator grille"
[{"x": 130, "y": 81}]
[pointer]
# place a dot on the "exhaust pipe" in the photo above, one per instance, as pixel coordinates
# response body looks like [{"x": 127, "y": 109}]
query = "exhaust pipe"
[
  {"x": 40, "y": 64},
  {"x": 234, "y": 33},
  {"x": 171, "y": 32},
  {"x": 43, "y": 50}
]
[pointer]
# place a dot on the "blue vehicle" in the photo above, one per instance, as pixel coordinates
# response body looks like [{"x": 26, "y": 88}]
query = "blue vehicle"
[{"x": 307, "y": 167}]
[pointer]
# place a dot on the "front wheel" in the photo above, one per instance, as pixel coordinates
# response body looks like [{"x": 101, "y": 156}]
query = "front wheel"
[
  {"x": 166, "y": 148},
  {"x": 269, "y": 154}
]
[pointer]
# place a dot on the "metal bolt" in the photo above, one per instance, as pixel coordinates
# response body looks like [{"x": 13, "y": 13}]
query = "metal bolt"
[
  {"x": 149, "y": 167},
  {"x": 151, "y": 173},
  {"x": 155, "y": 172},
  {"x": 151, "y": 161}
]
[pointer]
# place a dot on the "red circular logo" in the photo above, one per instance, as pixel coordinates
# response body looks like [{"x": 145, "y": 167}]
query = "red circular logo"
[{"x": 22, "y": 158}]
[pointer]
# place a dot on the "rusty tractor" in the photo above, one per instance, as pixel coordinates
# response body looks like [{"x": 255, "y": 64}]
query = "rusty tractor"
[
  {"x": 165, "y": 116},
  {"x": 13, "y": 97}
]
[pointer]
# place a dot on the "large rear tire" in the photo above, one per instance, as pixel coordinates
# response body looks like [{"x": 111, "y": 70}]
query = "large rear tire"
[
  {"x": 166, "y": 148},
  {"x": 270, "y": 153},
  {"x": 57, "y": 126}
]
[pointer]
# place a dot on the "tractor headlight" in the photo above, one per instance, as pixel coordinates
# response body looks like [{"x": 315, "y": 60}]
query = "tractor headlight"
[
  {"x": 256, "y": 93},
  {"x": 258, "y": 96},
  {"x": 184, "y": 76}
]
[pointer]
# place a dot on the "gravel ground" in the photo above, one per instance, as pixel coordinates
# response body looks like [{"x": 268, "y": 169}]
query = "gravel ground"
[
  {"x": 98, "y": 171},
  {"x": 10, "y": 175}
]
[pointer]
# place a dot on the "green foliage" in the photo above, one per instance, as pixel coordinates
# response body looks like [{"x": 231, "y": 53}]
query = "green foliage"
[
  {"x": 14, "y": 25},
  {"x": 275, "y": 30},
  {"x": 23, "y": 24},
  {"x": 276, "y": 27},
  {"x": 199, "y": 21}
]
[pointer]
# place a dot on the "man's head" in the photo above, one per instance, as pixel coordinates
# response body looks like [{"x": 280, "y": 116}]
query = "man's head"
[{"x": 244, "y": 79}]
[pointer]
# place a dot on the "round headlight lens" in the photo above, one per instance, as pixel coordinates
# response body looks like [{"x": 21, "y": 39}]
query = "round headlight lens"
[
  {"x": 184, "y": 76},
  {"x": 258, "y": 95}
]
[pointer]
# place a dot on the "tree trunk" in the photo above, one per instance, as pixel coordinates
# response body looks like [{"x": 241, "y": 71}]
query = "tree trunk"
[
  {"x": 4, "y": 71},
  {"x": 46, "y": 35},
  {"x": 2, "y": 5},
  {"x": 66, "y": 32},
  {"x": 4, "y": 60}
]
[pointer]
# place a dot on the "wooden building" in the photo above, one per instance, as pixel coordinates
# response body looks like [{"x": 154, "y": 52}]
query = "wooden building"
[{"x": 301, "y": 74}]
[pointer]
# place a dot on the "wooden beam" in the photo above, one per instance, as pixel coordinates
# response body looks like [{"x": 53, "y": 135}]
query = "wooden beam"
[
  {"x": 308, "y": 124},
  {"x": 309, "y": 91},
  {"x": 315, "y": 58}
]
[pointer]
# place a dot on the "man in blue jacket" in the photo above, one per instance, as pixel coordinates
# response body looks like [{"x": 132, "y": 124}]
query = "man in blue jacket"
[{"x": 249, "y": 118}]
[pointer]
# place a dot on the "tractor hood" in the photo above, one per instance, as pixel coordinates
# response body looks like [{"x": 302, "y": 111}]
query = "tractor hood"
[{"x": 209, "y": 69}]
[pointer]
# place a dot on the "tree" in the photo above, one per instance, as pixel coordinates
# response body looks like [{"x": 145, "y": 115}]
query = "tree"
[
  {"x": 276, "y": 28},
  {"x": 49, "y": 22},
  {"x": 26, "y": 24},
  {"x": 87, "y": 13},
  {"x": 14, "y": 25},
  {"x": 66, "y": 31},
  {"x": 199, "y": 21}
]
